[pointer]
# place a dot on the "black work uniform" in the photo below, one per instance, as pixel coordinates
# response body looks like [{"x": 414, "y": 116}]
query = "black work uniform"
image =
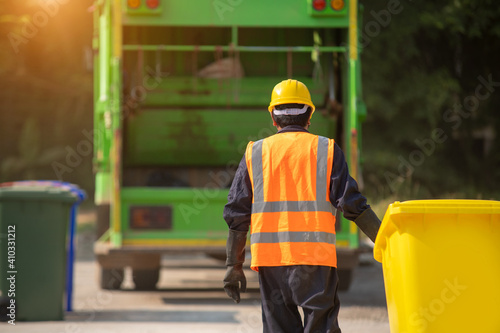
[{"x": 285, "y": 288}]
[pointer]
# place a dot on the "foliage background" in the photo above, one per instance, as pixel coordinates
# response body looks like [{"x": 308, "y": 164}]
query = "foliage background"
[
  {"x": 45, "y": 91},
  {"x": 422, "y": 62},
  {"x": 427, "y": 60}
]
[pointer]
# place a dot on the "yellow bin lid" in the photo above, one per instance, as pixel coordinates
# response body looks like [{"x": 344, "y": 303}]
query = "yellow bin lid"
[{"x": 440, "y": 206}]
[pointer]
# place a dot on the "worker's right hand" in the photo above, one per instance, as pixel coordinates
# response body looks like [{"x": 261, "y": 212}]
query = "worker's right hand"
[{"x": 234, "y": 276}]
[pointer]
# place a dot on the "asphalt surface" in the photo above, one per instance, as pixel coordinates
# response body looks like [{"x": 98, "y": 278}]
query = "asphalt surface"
[{"x": 190, "y": 299}]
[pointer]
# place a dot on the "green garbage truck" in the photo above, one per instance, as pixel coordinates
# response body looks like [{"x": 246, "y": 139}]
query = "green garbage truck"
[{"x": 180, "y": 89}]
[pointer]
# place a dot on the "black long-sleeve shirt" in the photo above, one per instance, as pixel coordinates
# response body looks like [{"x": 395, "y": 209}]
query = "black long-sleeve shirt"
[{"x": 344, "y": 193}]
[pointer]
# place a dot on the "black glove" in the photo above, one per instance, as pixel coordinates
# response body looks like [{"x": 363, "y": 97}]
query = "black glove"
[
  {"x": 369, "y": 223},
  {"x": 235, "y": 250}
]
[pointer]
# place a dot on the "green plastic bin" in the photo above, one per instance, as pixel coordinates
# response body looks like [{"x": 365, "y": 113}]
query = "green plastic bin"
[{"x": 33, "y": 229}]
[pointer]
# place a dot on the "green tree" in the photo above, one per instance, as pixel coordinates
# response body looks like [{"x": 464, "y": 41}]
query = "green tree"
[{"x": 431, "y": 57}]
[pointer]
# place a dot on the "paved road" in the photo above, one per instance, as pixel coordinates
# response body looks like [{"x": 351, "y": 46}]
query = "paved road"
[{"x": 191, "y": 300}]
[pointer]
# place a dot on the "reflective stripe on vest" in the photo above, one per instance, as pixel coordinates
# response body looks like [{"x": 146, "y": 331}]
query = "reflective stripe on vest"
[
  {"x": 293, "y": 236},
  {"x": 314, "y": 242}
]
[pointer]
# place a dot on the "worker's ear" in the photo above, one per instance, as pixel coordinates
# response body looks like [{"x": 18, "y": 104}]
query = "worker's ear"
[{"x": 308, "y": 124}]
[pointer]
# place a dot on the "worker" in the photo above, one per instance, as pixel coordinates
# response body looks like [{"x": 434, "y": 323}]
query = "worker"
[{"x": 286, "y": 191}]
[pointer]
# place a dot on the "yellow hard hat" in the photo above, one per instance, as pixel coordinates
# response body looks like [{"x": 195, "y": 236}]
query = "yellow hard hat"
[{"x": 290, "y": 91}]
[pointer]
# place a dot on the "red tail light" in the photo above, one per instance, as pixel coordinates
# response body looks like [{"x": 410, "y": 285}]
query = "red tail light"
[
  {"x": 319, "y": 4},
  {"x": 152, "y": 4}
]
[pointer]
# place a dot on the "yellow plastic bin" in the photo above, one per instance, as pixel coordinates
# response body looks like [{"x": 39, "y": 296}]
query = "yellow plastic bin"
[{"x": 441, "y": 262}]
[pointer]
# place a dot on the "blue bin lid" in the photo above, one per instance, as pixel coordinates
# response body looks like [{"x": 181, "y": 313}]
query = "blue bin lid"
[{"x": 41, "y": 191}]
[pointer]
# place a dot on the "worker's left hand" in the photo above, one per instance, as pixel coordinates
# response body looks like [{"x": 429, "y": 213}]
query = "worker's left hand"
[{"x": 234, "y": 276}]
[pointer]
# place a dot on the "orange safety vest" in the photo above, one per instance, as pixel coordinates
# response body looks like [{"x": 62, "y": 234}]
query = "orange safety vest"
[{"x": 293, "y": 220}]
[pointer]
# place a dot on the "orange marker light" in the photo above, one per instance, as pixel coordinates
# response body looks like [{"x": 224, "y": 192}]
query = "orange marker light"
[
  {"x": 337, "y": 4},
  {"x": 152, "y": 4},
  {"x": 134, "y": 4},
  {"x": 319, "y": 4}
]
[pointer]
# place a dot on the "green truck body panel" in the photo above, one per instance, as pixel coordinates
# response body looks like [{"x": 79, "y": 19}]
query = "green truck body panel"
[
  {"x": 195, "y": 137},
  {"x": 195, "y": 216},
  {"x": 255, "y": 13},
  {"x": 167, "y": 134}
]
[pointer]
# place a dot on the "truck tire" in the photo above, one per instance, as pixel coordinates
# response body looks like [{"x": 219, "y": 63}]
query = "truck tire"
[
  {"x": 345, "y": 279},
  {"x": 111, "y": 278},
  {"x": 220, "y": 256},
  {"x": 146, "y": 279}
]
